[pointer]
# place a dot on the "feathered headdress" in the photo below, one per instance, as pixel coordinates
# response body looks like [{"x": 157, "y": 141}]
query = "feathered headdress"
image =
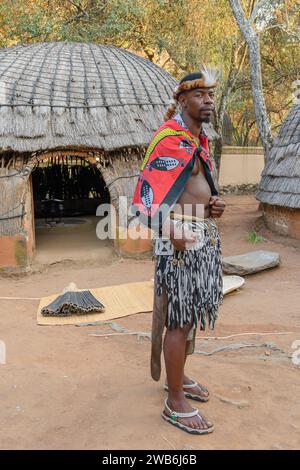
[{"x": 206, "y": 78}]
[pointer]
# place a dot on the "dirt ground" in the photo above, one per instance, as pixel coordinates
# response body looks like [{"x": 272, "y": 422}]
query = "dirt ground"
[
  {"x": 63, "y": 389},
  {"x": 69, "y": 242}
]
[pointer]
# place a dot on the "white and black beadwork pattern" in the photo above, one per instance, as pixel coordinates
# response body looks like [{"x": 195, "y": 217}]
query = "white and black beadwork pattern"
[{"x": 193, "y": 281}]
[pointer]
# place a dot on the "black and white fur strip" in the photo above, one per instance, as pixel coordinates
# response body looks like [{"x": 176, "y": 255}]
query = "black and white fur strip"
[{"x": 193, "y": 280}]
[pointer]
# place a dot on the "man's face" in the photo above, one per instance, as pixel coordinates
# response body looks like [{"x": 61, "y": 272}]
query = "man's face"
[{"x": 198, "y": 104}]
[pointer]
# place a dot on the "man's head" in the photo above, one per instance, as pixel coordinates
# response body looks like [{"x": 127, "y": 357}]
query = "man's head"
[
  {"x": 195, "y": 94},
  {"x": 198, "y": 103}
]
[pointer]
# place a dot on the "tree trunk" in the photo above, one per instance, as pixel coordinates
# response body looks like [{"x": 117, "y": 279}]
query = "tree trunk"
[{"x": 260, "y": 111}]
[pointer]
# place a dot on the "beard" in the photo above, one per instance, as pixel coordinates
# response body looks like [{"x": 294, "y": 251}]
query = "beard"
[{"x": 205, "y": 120}]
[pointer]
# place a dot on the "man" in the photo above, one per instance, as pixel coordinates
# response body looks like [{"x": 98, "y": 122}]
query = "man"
[{"x": 175, "y": 187}]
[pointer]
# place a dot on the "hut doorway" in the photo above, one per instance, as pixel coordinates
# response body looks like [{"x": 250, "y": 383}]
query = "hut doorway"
[{"x": 67, "y": 188}]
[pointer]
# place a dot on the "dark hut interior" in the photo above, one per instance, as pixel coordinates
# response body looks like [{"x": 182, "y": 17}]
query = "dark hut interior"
[
  {"x": 66, "y": 189},
  {"x": 67, "y": 186}
]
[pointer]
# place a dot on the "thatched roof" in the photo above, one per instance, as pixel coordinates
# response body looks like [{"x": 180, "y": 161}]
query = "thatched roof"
[
  {"x": 280, "y": 182},
  {"x": 71, "y": 94}
]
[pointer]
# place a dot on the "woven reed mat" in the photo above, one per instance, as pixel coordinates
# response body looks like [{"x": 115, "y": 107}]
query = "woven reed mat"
[{"x": 121, "y": 301}]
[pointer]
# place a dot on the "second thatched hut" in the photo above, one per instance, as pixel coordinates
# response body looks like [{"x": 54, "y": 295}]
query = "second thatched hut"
[{"x": 279, "y": 189}]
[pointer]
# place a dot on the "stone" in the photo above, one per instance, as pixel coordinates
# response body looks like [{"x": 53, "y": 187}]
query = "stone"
[{"x": 250, "y": 263}]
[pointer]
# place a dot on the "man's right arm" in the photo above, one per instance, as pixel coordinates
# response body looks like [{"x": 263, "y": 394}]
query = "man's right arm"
[{"x": 178, "y": 237}]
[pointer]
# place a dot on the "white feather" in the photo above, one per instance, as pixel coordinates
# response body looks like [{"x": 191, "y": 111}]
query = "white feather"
[{"x": 210, "y": 76}]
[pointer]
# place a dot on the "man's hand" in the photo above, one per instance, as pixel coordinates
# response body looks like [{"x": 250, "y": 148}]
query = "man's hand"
[
  {"x": 181, "y": 238},
  {"x": 217, "y": 206}
]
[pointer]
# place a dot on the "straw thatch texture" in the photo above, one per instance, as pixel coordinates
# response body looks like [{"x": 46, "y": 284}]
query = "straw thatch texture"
[
  {"x": 55, "y": 95},
  {"x": 71, "y": 94},
  {"x": 280, "y": 182}
]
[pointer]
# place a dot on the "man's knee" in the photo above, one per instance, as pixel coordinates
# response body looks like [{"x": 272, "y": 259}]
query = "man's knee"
[
  {"x": 184, "y": 331},
  {"x": 187, "y": 328}
]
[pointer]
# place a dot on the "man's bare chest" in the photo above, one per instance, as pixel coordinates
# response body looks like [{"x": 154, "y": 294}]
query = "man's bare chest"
[
  {"x": 198, "y": 169},
  {"x": 197, "y": 183}
]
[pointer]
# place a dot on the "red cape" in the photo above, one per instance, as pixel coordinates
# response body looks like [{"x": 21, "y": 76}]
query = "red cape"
[{"x": 167, "y": 166}]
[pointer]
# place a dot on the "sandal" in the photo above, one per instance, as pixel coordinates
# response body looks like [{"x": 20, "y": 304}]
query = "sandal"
[
  {"x": 191, "y": 395},
  {"x": 174, "y": 415}
]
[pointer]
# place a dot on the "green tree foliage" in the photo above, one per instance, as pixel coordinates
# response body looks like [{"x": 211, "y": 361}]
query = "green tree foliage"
[{"x": 178, "y": 35}]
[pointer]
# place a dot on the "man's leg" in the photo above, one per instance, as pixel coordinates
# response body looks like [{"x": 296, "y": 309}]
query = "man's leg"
[
  {"x": 198, "y": 390},
  {"x": 175, "y": 344}
]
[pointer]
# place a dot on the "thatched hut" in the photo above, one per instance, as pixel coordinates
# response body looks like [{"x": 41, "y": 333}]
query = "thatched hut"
[
  {"x": 279, "y": 189},
  {"x": 71, "y": 112}
]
